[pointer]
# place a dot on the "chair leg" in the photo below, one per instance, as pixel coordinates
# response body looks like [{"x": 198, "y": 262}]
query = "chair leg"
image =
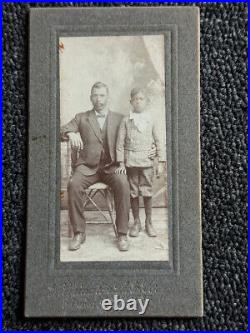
[
  {"x": 107, "y": 194},
  {"x": 110, "y": 205},
  {"x": 89, "y": 194},
  {"x": 90, "y": 198}
]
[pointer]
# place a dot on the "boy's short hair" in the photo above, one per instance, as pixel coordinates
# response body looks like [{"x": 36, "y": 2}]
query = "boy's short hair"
[{"x": 138, "y": 90}]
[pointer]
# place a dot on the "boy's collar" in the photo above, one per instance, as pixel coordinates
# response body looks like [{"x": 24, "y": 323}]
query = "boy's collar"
[{"x": 133, "y": 115}]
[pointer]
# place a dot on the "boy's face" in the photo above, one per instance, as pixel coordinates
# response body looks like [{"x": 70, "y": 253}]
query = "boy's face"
[{"x": 139, "y": 102}]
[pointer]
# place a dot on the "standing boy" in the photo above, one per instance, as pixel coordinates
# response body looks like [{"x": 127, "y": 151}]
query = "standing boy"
[{"x": 136, "y": 136}]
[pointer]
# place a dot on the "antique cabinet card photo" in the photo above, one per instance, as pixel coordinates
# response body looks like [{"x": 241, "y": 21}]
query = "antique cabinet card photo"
[{"x": 114, "y": 212}]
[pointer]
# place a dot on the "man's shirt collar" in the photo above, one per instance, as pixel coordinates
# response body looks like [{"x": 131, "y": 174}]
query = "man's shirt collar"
[{"x": 102, "y": 114}]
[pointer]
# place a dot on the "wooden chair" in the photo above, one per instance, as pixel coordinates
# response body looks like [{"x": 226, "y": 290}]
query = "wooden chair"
[
  {"x": 92, "y": 191},
  {"x": 107, "y": 194}
]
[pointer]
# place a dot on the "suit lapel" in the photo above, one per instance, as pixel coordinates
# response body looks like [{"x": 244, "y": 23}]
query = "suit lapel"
[{"x": 94, "y": 125}]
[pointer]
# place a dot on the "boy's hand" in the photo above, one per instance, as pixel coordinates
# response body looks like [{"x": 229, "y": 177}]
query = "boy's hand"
[
  {"x": 121, "y": 170},
  {"x": 152, "y": 153},
  {"x": 160, "y": 168}
]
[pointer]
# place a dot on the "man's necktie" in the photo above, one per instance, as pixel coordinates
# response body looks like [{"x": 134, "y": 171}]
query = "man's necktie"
[{"x": 100, "y": 115}]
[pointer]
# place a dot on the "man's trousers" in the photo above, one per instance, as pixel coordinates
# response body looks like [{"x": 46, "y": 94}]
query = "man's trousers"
[{"x": 76, "y": 195}]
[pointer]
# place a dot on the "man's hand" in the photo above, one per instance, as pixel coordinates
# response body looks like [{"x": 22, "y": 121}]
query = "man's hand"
[
  {"x": 121, "y": 170},
  {"x": 152, "y": 153},
  {"x": 75, "y": 140}
]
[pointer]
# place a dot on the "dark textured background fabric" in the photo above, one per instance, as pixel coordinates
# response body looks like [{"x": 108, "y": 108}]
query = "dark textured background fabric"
[{"x": 224, "y": 172}]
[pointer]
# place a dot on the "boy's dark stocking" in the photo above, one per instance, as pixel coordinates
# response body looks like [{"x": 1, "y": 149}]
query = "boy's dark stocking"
[
  {"x": 136, "y": 228},
  {"x": 148, "y": 222}
]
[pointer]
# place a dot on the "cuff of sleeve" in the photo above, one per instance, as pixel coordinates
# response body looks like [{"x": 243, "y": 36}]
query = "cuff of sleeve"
[
  {"x": 161, "y": 159},
  {"x": 64, "y": 136}
]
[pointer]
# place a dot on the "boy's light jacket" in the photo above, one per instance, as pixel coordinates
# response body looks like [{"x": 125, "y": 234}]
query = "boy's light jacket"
[{"x": 133, "y": 144}]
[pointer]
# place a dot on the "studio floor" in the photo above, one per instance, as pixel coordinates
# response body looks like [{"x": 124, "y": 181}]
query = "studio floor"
[{"x": 100, "y": 244}]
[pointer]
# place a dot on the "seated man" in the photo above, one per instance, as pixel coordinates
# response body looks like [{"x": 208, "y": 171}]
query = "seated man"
[{"x": 98, "y": 130}]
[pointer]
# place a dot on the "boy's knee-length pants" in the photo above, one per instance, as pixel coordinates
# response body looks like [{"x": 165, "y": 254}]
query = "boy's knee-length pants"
[{"x": 140, "y": 181}]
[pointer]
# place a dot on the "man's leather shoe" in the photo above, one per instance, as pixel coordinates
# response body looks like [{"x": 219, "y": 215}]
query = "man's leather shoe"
[
  {"x": 123, "y": 243},
  {"x": 150, "y": 230},
  {"x": 77, "y": 240},
  {"x": 135, "y": 229}
]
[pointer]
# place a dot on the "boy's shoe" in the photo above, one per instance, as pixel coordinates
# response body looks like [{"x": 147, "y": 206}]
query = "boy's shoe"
[
  {"x": 150, "y": 230},
  {"x": 123, "y": 243},
  {"x": 135, "y": 229}
]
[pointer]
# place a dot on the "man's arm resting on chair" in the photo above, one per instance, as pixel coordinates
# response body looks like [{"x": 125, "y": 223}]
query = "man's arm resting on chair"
[
  {"x": 69, "y": 131},
  {"x": 75, "y": 140}
]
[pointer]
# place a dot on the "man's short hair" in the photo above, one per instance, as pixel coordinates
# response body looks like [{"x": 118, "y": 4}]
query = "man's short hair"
[
  {"x": 138, "y": 90},
  {"x": 98, "y": 85}
]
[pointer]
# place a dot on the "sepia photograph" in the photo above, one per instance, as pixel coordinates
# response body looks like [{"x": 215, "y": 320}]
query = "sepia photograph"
[{"x": 113, "y": 149}]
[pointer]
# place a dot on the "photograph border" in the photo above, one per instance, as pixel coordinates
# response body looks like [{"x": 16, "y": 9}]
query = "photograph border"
[
  {"x": 174, "y": 288},
  {"x": 170, "y": 34},
  {"x": 170, "y": 72}
]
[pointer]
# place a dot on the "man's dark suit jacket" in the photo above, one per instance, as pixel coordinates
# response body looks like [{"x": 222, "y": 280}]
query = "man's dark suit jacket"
[{"x": 87, "y": 125}]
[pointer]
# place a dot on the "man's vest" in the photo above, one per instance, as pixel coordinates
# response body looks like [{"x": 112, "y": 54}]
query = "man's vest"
[{"x": 105, "y": 155}]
